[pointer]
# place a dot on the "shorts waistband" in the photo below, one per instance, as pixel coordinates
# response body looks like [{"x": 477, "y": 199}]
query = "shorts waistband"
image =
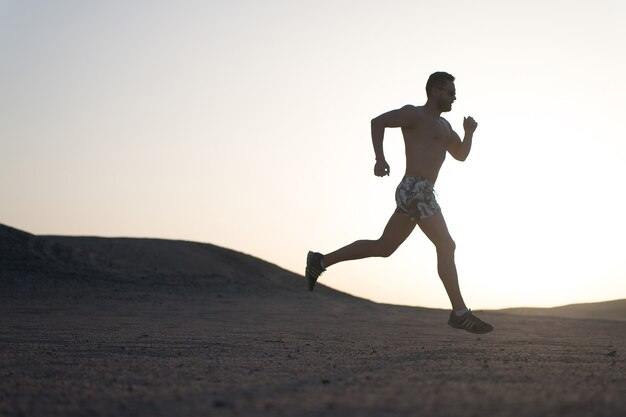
[{"x": 418, "y": 179}]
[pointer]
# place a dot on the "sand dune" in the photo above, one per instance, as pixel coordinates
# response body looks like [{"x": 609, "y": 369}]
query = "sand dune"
[
  {"x": 64, "y": 265},
  {"x": 134, "y": 327},
  {"x": 87, "y": 261},
  {"x": 607, "y": 310}
]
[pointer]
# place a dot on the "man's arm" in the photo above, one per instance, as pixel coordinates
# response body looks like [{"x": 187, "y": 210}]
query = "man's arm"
[
  {"x": 461, "y": 149},
  {"x": 402, "y": 117}
]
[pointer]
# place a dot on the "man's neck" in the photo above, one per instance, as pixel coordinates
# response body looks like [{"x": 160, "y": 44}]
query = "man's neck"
[{"x": 431, "y": 109}]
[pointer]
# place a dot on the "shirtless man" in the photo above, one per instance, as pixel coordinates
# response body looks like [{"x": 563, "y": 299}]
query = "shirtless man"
[{"x": 427, "y": 138}]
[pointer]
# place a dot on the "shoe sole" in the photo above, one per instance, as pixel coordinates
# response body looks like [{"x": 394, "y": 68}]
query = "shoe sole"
[
  {"x": 310, "y": 280},
  {"x": 470, "y": 331}
]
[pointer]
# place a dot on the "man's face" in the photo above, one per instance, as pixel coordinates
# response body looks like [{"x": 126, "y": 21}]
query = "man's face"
[{"x": 446, "y": 96}]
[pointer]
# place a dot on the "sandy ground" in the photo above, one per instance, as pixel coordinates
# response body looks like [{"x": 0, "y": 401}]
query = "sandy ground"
[
  {"x": 309, "y": 355},
  {"x": 139, "y": 327}
]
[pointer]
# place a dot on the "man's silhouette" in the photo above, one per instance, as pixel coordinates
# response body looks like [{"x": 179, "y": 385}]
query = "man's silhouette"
[{"x": 427, "y": 138}]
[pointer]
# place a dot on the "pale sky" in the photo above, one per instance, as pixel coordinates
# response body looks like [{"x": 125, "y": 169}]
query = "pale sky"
[{"x": 245, "y": 124}]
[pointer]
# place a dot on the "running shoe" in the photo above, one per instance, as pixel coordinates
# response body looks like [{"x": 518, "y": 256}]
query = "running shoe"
[
  {"x": 469, "y": 322},
  {"x": 313, "y": 268}
]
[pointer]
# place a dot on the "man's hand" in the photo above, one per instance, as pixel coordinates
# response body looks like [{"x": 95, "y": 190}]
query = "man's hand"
[
  {"x": 381, "y": 168},
  {"x": 469, "y": 125}
]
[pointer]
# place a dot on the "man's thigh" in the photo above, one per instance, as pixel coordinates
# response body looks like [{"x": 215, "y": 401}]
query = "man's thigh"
[
  {"x": 435, "y": 228},
  {"x": 398, "y": 228}
]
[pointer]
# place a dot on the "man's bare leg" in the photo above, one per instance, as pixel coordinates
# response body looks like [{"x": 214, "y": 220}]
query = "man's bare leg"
[
  {"x": 436, "y": 230},
  {"x": 398, "y": 228}
]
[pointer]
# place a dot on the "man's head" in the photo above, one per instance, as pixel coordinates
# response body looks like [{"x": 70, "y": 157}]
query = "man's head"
[{"x": 441, "y": 90}]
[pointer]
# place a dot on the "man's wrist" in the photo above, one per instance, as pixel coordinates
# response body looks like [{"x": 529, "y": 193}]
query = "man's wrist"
[{"x": 380, "y": 158}]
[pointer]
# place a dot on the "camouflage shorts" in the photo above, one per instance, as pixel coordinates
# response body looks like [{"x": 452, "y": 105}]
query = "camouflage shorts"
[{"x": 415, "y": 197}]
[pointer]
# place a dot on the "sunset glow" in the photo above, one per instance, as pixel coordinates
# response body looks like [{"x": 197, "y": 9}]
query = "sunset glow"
[{"x": 247, "y": 125}]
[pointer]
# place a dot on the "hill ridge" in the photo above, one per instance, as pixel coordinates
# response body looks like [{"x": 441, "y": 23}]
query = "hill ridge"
[
  {"x": 49, "y": 264},
  {"x": 612, "y": 310},
  {"x": 52, "y": 265}
]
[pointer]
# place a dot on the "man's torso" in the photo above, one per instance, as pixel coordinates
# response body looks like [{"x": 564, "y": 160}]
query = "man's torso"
[{"x": 426, "y": 142}]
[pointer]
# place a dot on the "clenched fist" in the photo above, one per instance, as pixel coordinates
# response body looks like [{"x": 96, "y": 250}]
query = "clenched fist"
[
  {"x": 469, "y": 124},
  {"x": 381, "y": 168}
]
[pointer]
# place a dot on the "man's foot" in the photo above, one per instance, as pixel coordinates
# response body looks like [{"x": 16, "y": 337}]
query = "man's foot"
[
  {"x": 314, "y": 268},
  {"x": 469, "y": 322}
]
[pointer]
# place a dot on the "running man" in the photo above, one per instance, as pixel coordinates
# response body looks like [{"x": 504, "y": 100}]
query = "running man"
[{"x": 427, "y": 138}]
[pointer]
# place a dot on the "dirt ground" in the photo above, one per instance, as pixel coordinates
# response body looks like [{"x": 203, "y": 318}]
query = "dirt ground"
[
  {"x": 144, "y": 327},
  {"x": 297, "y": 354}
]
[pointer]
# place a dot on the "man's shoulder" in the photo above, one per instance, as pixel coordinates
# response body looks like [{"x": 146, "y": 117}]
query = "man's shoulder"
[
  {"x": 412, "y": 111},
  {"x": 415, "y": 111},
  {"x": 412, "y": 108}
]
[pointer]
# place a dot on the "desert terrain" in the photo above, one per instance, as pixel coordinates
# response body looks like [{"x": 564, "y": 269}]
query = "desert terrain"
[{"x": 145, "y": 327}]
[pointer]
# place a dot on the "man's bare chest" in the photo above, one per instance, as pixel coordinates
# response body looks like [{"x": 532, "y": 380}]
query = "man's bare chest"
[{"x": 435, "y": 135}]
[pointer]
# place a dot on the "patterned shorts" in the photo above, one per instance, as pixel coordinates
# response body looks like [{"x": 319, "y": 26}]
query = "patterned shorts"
[{"x": 415, "y": 197}]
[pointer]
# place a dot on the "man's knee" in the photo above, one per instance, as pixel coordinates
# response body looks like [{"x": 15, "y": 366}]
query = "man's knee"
[
  {"x": 385, "y": 250},
  {"x": 447, "y": 246}
]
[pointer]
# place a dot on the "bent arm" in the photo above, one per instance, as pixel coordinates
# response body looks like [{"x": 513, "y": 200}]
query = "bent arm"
[
  {"x": 396, "y": 118},
  {"x": 460, "y": 149}
]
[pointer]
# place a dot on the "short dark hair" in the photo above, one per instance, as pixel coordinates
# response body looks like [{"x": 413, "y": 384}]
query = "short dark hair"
[{"x": 438, "y": 79}]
